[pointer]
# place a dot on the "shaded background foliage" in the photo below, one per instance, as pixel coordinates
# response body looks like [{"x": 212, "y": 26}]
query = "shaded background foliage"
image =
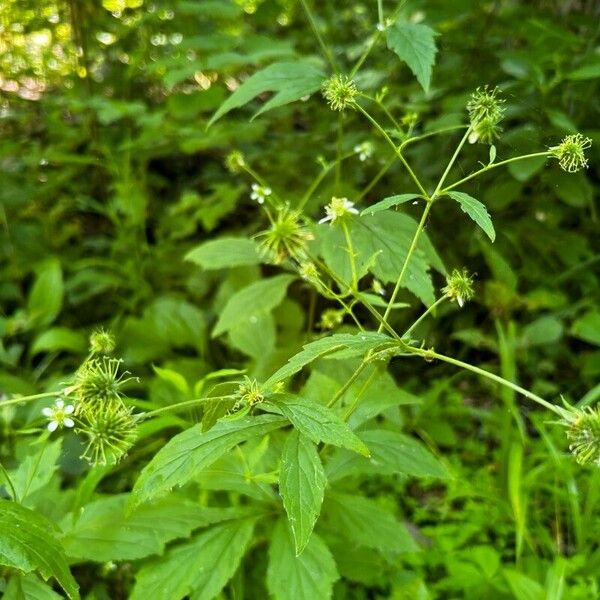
[{"x": 110, "y": 177}]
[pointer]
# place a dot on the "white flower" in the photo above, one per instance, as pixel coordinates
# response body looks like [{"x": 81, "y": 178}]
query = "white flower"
[
  {"x": 378, "y": 288},
  {"x": 338, "y": 208},
  {"x": 364, "y": 150},
  {"x": 260, "y": 192},
  {"x": 59, "y": 415}
]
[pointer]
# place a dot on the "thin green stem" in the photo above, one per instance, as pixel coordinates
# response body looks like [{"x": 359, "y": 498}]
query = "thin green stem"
[
  {"x": 348, "y": 383},
  {"x": 365, "y": 54},
  {"x": 338, "y": 146},
  {"x": 404, "y": 269},
  {"x": 418, "y": 138},
  {"x": 451, "y": 163},
  {"x": 9, "y": 482},
  {"x": 424, "y": 315},
  {"x": 359, "y": 395},
  {"x": 28, "y": 398},
  {"x": 352, "y": 256},
  {"x": 376, "y": 179},
  {"x": 493, "y": 166},
  {"x": 431, "y": 354},
  {"x": 313, "y": 25},
  {"x": 393, "y": 145},
  {"x": 185, "y": 404},
  {"x": 380, "y": 12}
]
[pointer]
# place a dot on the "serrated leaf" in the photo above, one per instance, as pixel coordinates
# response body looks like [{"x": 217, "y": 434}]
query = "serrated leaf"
[
  {"x": 28, "y": 543},
  {"x": 257, "y": 298},
  {"x": 415, "y": 45},
  {"x": 364, "y": 523},
  {"x": 224, "y": 253},
  {"x": 289, "y": 81},
  {"x": 301, "y": 485},
  {"x": 356, "y": 344},
  {"x": 391, "y": 453},
  {"x": 318, "y": 423},
  {"x": 309, "y": 576},
  {"x": 388, "y": 203},
  {"x": 198, "y": 569},
  {"x": 476, "y": 210},
  {"x": 187, "y": 453},
  {"x": 104, "y": 531}
]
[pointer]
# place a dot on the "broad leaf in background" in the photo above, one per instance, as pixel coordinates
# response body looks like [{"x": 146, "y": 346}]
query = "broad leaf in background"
[
  {"x": 224, "y": 253},
  {"x": 187, "y": 453},
  {"x": 476, "y": 210},
  {"x": 306, "y": 577},
  {"x": 46, "y": 295},
  {"x": 257, "y": 298},
  {"x": 319, "y": 423},
  {"x": 28, "y": 542},
  {"x": 28, "y": 587},
  {"x": 105, "y": 531},
  {"x": 364, "y": 523},
  {"x": 415, "y": 45},
  {"x": 289, "y": 80},
  {"x": 198, "y": 569},
  {"x": 301, "y": 485},
  {"x": 391, "y": 453}
]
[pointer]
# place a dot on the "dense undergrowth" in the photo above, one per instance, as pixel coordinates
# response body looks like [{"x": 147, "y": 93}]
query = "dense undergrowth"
[{"x": 263, "y": 334}]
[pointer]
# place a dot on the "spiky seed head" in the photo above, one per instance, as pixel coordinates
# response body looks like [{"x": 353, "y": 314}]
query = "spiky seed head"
[
  {"x": 571, "y": 152},
  {"x": 249, "y": 393},
  {"x": 485, "y": 103},
  {"x": 111, "y": 430},
  {"x": 331, "y": 318},
  {"x": 287, "y": 236},
  {"x": 235, "y": 161},
  {"x": 102, "y": 342},
  {"x": 340, "y": 92},
  {"x": 459, "y": 287},
  {"x": 583, "y": 432}
]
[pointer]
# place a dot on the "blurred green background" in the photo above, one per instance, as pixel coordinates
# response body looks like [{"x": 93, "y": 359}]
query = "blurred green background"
[{"x": 109, "y": 177}]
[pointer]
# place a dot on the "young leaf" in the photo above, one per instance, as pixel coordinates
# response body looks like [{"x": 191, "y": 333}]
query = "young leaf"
[
  {"x": 364, "y": 523},
  {"x": 28, "y": 543},
  {"x": 391, "y": 453},
  {"x": 197, "y": 569},
  {"x": 357, "y": 344},
  {"x": 289, "y": 80},
  {"x": 306, "y": 577},
  {"x": 187, "y": 453},
  {"x": 319, "y": 423},
  {"x": 388, "y": 203},
  {"x": 105, "y": 531},
  {"x": 415, "y": 45},
  {"x": 301, "y": 485},
  {"x": 223, "y": 253},
  {"x": 476, "y": 210},
  {"x": 257, "y": 298}
]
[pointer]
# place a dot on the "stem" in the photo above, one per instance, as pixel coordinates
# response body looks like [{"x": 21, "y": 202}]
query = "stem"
[
  {"x": 376, "y": 179},
  {"x": 493, "y": 166},
  {"x": 348, "y": 383},
  {"x": 313, "y": 25},
  {"x": 350, "y": 250},
  {"x": 420, "y": 319},
  {"x": 409, "y": 254},
  {"x": 28, "y": 398},
  {"x": 396, "y": 149},
  {"x": 423, "y": 136},
  {"x": 451, "y": 163},
  {"x": 488, "y": 375},
  {"x": 338, "y": 146},
  {"x": 380, "y": 12},
  {"x": 365, "y": 54},
  {"x": 10, "y": 483},
  {"x": 359, "y": 395},
  {"x": 152, "y": 413}
]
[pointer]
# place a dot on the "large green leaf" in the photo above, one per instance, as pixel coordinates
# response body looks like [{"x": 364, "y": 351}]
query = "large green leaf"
[
  {"x": 254, "y": 299},
  {"x": 28, "y": 587},
  {"x": 224, "y": 253},
  {"x": 28, "y": 543},
  {"x": 415, "y": 45},
  {"x": 391, "y": 453},
  {"x": 353, "y": 344},
  {"x": 476, "y": 210},
  {"x": 301, "y": 485},
  {"x": 309, "y": 576},
  {"x": 187, "y": 453},
  {"x": 289, "y": 80},
  {"x": 106, "y": 531},
  {"x": 198, "y": 569},
  {"x": 364, "y": 523},
  {"x": 319, "y": 423}
]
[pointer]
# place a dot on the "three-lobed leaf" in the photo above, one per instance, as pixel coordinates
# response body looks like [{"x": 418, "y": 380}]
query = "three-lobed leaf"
[
  {"x": 415, "y": 45},
  {"x": 301, "y": 485},
  {"x": 186, "y": 454},
  {"x": 476, "y": 210},
  {"x": 28, "y": 543}
]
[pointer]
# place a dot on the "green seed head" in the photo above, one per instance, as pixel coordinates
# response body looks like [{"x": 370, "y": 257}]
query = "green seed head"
[
  {"x": 235, "y": 161},
  {"x": 571, "y": 152},
  {"x": 583, "y": 433},
  {"x": 286, "y": 238},
  {"x": 340, "y": 92},
  {"x": 101, "y": 342},
  {"x": 459, "y": 287}
]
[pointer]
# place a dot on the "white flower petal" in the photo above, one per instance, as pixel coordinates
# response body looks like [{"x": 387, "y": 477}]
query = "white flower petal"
[
  {"x": 68, "y": 422},
  {"x": 353, "y": 210},
  {"x": 460, "y": 301},
  {"x": 59, "y": 403},
  {"x": 267, "y": 191},
  {"x": 47, "y": 412},
  {"x": 69, "y": 409},
  {"x": 325, "y": 219},
  {"x": 52, "y": 426}
]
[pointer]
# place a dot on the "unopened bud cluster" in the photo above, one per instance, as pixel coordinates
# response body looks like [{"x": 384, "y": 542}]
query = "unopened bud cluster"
[{"x": 486, "y": 110}]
